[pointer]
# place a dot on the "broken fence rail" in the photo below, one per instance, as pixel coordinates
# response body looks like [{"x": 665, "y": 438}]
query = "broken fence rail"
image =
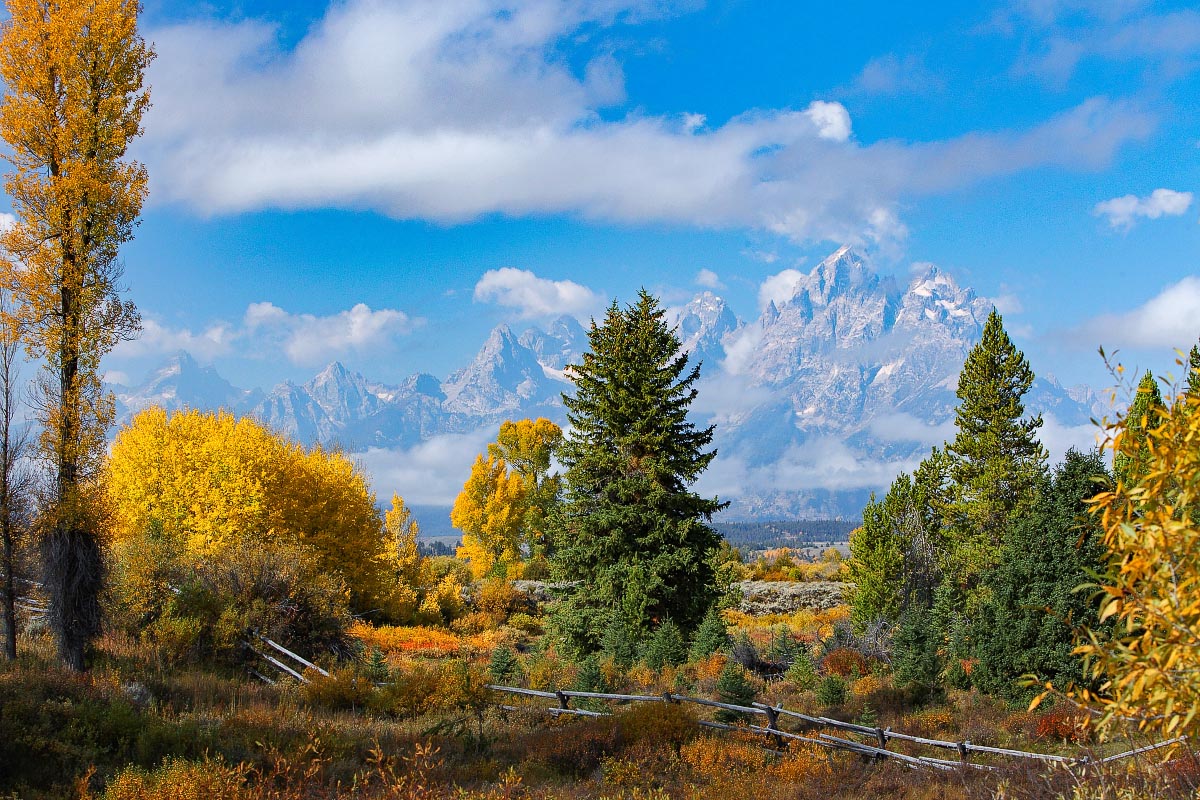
[{"x": 881, "y": 735}]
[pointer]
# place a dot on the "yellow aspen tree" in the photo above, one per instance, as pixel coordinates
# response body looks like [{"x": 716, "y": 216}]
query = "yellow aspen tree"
[
  {"x": 528, "y": 446},
  {"x": 74, "y": 99},
  {"x": 490, "y": 511}
]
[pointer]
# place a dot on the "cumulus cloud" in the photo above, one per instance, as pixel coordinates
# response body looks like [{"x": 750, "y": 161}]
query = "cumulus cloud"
[
  {"x": 309, "y": 340},
  {"x": 156, "y": 338},
  {"x": 778, "y": 288},
  {"x": 1123, "y": 212},
  {"x": 265, "y": 329},
  {"x": 709, "y": 279},
  {"x": 6, "y": 221},
  {"x": 1169, "y": 319},
  {"x": 531, "y": 296},
  {"x": 450, "y": 111}
]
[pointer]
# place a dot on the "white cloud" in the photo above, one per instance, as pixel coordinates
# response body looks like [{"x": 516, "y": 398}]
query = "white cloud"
[
  {"x": 155, "y": 339},
  {"x": 823, "y": 463},
  {"x": 266, "y": 329},
  {"x": 450, "y": 111},
  {"x": 832, "y": 120},
  {"x": 709, "y": 279},
  {"x": 891, "y": 75},
  {"x": 1122, "y": 212},
  {"x": 532, "y": 296},
  {"x": 901, "y": 427},
  {"x": 309, "y": 340},
  {"x": 778, "y": 288},
  {"x": 1007, "y": 303},
  {"x": 1169, "y": 319},
  {"x": 6, "y": 221},
  {"x": 431, "y": 472}
]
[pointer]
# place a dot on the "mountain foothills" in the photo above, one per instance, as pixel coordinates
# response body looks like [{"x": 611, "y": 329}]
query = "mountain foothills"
[{"x": 845, "y": 379}]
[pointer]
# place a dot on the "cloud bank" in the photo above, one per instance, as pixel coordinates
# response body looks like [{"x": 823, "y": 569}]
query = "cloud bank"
[
  {"x": 454, "y": 110},
  {"x": 1169, "y": 319}
]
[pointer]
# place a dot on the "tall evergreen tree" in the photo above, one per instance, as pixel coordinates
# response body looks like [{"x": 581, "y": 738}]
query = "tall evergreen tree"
[
  {"x": 1027, "y": 626},
  {"x": 997, "y": 459},
  {"x": 1144, "y": 414},
  {"x": 630, "y": 530},
  {"x": 876, "y": 567}
]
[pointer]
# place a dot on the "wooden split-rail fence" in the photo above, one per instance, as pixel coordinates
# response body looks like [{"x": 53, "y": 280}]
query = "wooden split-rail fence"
[
  {"x": 273, "y": 654},
  {"x": 877, "y": 749}
]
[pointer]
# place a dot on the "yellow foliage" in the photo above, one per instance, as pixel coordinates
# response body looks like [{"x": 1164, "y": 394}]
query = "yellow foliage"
[
  {"x": 73, "y": 102},
  {"x": 213, "y": 481},
  {"x": 1150, "y": 669},
  {"x": 490, "y": 511}
]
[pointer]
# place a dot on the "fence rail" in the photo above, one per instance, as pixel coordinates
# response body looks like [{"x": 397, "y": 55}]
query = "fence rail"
[
  {"x": 882, "y": 736},
  {"x": 877, "y": 750}
]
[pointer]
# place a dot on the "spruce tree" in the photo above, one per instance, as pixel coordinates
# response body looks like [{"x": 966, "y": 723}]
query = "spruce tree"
[
  {"x": 997, "y": 460},
  {"x": 1192, "y": 381},
  {"x": 876, "y": 568},
  {"x": 712, "y": 636},
  {"x": 1143, "y": 415},
  {"x": 630, "y": 532},
  {"x": 1027, "y": 626}
]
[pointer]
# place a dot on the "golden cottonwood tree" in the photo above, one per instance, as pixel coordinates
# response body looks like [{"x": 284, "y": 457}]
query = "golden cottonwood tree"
[
  {"x": 527, "y": 446},
  {"x": 213, "y": 482},
  {"x": 490, "y": 511},
  {"x": 73, "y": 101}
]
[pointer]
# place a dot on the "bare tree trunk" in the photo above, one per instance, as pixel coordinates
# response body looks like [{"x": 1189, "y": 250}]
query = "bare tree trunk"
[{"x": 13, "y": 485}]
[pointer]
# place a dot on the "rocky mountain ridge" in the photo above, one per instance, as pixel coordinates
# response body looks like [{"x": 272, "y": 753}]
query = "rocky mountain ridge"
[{"x": 842, "y": 380}]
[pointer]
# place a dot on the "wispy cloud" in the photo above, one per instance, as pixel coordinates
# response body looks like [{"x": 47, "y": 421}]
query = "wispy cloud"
[
  {"x": 892, "y": 75},
  {"x": 1169, "y": 319},
  {"x": 532, "y": 296},
  {"x": 1123, "y": 212},
  {"x": 778, "y": 288},
  {"x": 450, "y": 111}
]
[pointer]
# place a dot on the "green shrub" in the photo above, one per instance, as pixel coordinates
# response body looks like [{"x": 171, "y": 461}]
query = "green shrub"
[
  {"x": 831, "y": 692},
  {"x": 503, "y": 665}
]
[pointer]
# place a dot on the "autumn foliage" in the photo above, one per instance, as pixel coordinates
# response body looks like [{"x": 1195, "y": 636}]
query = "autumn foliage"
[{"x": 213, "y": 482}]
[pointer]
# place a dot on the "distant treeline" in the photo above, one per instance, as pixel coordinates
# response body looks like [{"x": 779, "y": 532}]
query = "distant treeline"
[{"x": 785, "y": 533}]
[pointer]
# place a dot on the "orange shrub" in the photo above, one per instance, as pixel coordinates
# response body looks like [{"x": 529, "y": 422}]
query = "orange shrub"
[
  {"x": 866, "y": 685},
  {"x": 415, "y": 640},
  {"x": 802, "y": 763},
  {"x": 845, "y": 662},
  {"x": 715, "y": 758},
  {"x": 1062, "y": 724}
]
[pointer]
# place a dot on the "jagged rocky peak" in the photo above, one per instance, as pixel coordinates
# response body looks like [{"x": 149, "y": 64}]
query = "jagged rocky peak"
[
  {"x": 183, "y": 383},
  {"x": 342, "y": 393},
  {"x": 422, "y": 383},
  {"x": 503, "y": 374},
  {"x": 933, "y": 296},
  {"x": 702, "y": 326},
  {"x": 563, "y": 342}
]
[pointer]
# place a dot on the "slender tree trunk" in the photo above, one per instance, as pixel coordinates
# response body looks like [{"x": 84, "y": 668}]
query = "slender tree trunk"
[{"x": 10, "y": 489}]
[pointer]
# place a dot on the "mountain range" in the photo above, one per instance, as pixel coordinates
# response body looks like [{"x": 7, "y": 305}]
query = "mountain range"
[{"x": 844, "y": 379}]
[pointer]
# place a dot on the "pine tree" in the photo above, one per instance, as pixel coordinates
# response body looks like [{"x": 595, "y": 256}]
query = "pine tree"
[
  {"x": 1027, "y": 627},
  {"x": 665, "y": 647},
  {"x": 630, "y": 531},
  {"x": 876, "y": 568},
  {"x": 735, "y": 688},
  {"x": 1192, "y": 382},
  {"x": 1144, "y": 414},
  {"x": 711, "y": 637},
  {"x": 997, "y": 460},
  {"x": 503, "y": 664}
]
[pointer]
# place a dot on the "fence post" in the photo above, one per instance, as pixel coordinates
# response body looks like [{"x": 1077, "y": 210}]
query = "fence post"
[
  {"x": 563, "y": 700},
  {"x": 964, "y": 753},
  {"x": 773, "y": 724}
]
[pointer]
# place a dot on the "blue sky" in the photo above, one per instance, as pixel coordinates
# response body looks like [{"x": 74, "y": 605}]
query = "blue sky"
[{"x": 336, "y": 180}]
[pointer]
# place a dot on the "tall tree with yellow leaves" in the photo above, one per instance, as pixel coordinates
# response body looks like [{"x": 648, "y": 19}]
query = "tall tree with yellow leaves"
[
  {"x": 490, "y": 511},
  {"x": 528, "y": 447},
  {"x": 74, "y": 99}
]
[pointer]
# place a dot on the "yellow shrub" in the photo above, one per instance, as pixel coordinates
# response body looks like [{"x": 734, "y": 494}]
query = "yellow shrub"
[{"x": 715, "y": 757}]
